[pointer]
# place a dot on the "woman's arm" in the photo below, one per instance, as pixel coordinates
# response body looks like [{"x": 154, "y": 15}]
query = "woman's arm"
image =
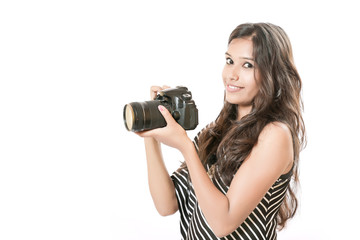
[
  {"x": 161, "y": 186},
  {"x": 270, "y": 157}
]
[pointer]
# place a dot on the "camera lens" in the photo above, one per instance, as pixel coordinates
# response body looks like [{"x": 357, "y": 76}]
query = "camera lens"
[
  {"x": 140, "y": 116},
  {"x": 129, "y": 116}
]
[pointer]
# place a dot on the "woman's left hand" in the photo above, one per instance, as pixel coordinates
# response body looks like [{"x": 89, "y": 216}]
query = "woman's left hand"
[{"x": 172, "y": 134}]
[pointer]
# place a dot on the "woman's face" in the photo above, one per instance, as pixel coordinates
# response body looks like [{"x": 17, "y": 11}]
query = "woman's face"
[{"x": 239, "y": 74}]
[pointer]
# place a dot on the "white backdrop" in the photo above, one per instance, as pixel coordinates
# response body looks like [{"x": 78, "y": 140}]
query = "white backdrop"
[{"x": 68, "y": 167}]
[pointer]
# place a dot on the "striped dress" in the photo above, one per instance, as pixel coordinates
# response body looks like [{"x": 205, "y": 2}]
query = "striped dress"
[{"x": 260, "y": 224}]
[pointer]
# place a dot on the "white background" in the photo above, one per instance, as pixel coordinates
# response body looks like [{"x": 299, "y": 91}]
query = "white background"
[{"x": 68, "y": 167}]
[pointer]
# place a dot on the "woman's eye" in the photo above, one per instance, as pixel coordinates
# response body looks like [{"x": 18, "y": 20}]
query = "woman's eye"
[
  {"x": 248, "y": 65},
  {"x": 229, "y": 61}
]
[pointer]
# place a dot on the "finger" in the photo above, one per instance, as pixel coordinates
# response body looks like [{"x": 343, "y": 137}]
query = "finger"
[
  {"x": 154, "y": 90},
  {"x": 165, "y": 86},
  {"x": 166, "y": 114},
  {"x": 145, "y": 133}
]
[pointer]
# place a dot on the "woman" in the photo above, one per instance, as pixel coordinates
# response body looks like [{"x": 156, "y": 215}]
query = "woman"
[{"x": 235, "y": 181}]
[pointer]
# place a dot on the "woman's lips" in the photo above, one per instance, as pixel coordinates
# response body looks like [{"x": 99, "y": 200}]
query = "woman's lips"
[{"x": 232, "y": 88}]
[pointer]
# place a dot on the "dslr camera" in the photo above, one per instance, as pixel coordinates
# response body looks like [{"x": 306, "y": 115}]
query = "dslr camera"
[{"x": 141, "y": 116}]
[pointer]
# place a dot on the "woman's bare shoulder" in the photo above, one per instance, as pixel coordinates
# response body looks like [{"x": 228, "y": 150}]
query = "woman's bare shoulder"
[
  {"x": 277, "y": 130},
  {"x": 275, "y": 145}
]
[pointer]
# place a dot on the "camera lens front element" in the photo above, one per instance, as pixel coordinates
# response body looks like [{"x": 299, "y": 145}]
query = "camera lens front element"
[{"x": 129, "y": 117}]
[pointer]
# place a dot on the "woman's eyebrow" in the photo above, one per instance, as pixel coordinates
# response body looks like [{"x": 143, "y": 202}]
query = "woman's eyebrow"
[{"x": 248, "y": 58}]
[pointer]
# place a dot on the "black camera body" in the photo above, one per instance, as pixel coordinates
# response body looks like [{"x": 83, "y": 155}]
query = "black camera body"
[{"x": 141, "y": 116}]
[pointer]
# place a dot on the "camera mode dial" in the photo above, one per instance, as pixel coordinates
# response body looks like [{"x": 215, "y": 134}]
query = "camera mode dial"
[{"x": 186, "y": 96}]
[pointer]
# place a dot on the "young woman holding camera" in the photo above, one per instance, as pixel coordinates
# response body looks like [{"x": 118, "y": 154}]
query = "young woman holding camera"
[{"x": 237, "y": 178}]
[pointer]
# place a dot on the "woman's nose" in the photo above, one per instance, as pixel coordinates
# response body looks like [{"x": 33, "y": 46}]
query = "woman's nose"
[{"x": 234, "y": 74}]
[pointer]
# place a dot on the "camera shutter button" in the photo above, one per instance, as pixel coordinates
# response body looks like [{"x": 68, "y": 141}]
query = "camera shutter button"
[
  {"x": 176, "y": 115},
  {"x": 186, "y": 96}
]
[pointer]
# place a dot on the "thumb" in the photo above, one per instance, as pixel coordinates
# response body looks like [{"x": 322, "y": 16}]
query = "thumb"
[{"x": 166, "y": 114}]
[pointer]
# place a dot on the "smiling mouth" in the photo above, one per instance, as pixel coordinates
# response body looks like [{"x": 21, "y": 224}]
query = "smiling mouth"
[{"x": 232, "y": 88}]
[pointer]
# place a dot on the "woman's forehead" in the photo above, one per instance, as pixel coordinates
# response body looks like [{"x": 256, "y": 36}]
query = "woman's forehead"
[{"x": 241, "y": 47}]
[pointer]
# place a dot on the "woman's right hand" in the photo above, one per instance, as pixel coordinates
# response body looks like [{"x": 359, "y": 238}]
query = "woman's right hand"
[{"x": 154, "y": 90}]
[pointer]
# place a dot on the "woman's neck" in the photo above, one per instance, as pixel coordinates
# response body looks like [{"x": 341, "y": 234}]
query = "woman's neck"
[{"x": 243, "y": 111}]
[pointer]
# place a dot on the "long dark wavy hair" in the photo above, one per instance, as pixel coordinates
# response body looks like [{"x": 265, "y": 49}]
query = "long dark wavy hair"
[{"x": 278, "y": 100}]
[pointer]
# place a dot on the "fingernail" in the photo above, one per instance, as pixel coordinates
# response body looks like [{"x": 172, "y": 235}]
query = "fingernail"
[{"x": 161, "y": 108}]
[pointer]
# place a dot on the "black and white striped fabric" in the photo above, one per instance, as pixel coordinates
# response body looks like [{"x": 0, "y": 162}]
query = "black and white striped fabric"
[{"x": 260, "y": 224}]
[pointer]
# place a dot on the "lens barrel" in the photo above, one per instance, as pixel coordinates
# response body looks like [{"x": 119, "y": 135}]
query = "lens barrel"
[{"x": 141, "y": 116}]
